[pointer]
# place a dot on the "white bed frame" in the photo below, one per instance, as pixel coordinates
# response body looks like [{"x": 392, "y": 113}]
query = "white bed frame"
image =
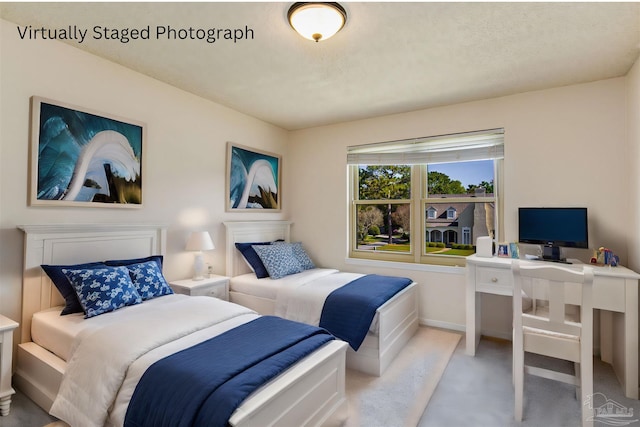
[
  {"x": 397, "y": 318},
  {"x": 310, "y": 393}
]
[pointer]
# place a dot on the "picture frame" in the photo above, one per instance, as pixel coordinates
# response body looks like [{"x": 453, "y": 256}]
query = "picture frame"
[
  {"x": 83, "y": 158},
  {"x": 513, "y": 250},
  {"x": 503, "y": 250},
  {"x": 253, "y": 180}
]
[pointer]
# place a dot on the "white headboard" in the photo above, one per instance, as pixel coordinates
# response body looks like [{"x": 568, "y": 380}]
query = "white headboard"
[
  {"x": 73, "y": 244},
  {"x": 251, "y": 231}
]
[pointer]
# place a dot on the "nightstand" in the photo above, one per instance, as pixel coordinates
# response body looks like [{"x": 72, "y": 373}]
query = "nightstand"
[
  {"x": 213, "y": 286},
  {"x": 6, "y": 343}
]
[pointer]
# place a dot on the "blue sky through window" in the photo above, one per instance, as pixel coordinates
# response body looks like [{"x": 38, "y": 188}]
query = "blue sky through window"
[{"x": 473, "y": 172}]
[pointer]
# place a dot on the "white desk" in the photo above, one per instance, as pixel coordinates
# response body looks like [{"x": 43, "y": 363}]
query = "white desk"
[{"x": 615, "y": 292}]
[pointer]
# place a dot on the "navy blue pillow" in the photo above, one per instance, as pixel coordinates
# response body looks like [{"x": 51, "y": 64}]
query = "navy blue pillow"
[
  {"x": 124, "y": 262},
  {"x": 253, "y": 259},
  {"x": 66, "y": 289}
]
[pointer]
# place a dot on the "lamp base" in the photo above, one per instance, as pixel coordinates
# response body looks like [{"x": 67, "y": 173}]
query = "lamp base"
[{"x": 198, "y": 267}]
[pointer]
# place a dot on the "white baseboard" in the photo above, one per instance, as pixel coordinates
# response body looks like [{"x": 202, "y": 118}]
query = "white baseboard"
[{"x": 442, "y": 325}]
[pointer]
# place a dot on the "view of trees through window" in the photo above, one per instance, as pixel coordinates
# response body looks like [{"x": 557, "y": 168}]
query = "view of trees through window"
[
  {"x": 386, "y": 223},
  {"x": 458, "y": 207}
]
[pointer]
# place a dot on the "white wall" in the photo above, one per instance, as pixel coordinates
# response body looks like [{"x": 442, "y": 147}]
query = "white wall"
[
  {"x": 185, "y": 154},
  {"x": 564, "y": 146},
  {"x": 633, "y": 129}
]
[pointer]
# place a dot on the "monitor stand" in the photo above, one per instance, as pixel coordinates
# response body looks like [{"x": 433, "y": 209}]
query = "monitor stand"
[{"x": 552, "y": 253}]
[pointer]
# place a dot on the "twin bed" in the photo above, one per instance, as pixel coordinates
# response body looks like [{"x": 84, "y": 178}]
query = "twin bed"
[
  {"x": 309, "y": 392},
  {"x": 394, "y": 324},
  {"x": 59, "y": 357}
]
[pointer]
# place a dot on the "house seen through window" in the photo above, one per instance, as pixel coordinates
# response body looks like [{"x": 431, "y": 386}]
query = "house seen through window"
[{"x": 427, "y": 209}]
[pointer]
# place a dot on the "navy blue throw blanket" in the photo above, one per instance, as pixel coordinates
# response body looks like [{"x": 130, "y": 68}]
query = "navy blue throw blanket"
[
  {"x": 203, "y": 385},
  {"x": 348, "y": 311}
]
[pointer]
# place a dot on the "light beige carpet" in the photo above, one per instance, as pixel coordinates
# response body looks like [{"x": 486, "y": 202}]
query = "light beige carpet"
[{"x": 399, "y": 397}]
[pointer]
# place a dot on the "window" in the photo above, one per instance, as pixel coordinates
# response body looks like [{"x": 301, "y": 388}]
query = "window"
[
  {"x": 466, "y": 235},
  {"x": 383, "y": 211},
  {"x": 425, "y": 200}
]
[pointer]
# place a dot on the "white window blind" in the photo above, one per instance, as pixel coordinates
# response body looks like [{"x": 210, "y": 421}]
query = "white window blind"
[{"x": 480, "y": 145}]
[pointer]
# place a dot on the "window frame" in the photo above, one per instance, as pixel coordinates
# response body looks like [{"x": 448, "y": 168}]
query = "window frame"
[
  {"x": 418, "y": 207},
  {"x": 355, "y": 201}
]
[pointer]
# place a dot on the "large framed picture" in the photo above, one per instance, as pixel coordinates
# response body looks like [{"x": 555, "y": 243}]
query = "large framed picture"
[
  {"x": 253, "y": 179},
  {"x": 84, "y": 158}
]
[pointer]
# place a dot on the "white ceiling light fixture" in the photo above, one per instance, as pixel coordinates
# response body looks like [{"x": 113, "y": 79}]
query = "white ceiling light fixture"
[{"x": 317, "y": 21}]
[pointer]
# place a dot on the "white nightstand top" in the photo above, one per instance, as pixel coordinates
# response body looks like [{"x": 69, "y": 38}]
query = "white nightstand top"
[
  {"x": 192, "y": 284},
  {"x": 7, "y": 324}
]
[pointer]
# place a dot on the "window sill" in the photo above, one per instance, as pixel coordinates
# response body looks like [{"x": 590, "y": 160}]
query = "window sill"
[{"x": 407, "y": 266}]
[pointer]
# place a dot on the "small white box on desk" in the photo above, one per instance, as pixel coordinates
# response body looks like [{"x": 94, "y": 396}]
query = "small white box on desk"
[{"x": 484, "y": 247}]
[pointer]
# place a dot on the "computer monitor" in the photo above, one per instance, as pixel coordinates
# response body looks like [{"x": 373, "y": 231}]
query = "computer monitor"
[{"x": 553, "y": 228}]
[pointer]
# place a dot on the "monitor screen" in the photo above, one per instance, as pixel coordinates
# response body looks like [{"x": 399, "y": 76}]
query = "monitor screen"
[{"x": 565, "y": 227}]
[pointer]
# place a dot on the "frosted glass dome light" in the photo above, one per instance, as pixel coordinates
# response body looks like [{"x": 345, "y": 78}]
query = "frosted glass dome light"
[{"x": 317, "y": 21}]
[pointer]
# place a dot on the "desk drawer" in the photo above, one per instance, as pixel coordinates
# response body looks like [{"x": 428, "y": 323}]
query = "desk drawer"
[{"x": 488, "y": 276}]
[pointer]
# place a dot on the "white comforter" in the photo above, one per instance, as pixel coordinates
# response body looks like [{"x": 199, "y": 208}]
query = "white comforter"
[
  {"x": 109, "y": 357},
  {"x": 303, "y": 301}
]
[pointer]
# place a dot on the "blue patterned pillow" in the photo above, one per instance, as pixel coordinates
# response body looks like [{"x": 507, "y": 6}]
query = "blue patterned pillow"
[
  {"x": 300, "y": 254},
  {"x": 148, "y": 280},
  {"x": 101, "y": 290},
  {"x": 279, "y": 260}
]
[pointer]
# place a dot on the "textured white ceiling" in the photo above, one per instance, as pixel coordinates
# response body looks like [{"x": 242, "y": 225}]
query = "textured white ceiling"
[{"x": 389, "y": 58}]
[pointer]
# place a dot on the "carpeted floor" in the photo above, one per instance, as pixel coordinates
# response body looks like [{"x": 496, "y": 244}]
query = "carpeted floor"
[{"x": 400, "y": 395}]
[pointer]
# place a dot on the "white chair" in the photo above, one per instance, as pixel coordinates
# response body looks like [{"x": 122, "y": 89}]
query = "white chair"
[{"x": 548, "y": 329}]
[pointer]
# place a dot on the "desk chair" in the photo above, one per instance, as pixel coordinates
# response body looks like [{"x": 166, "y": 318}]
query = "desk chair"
[{"x": 547, "y": 329}]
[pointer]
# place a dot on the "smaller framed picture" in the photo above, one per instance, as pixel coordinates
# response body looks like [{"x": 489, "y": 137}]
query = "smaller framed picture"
[
  {"x": 503, "y": 250},
  {"x": 513, "y": 250},
  {"x": 253, "y": 180}
]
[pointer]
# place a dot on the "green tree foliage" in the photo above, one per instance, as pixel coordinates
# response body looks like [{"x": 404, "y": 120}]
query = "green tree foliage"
[
  {"x": 488, "y": 187},
  {"x": 391, "y": 182},
  {"x": 385, "y": 182},
  {"x": 440, "y": 183}
]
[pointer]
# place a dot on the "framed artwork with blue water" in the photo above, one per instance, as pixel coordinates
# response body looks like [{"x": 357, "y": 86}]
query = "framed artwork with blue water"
[
  {"x": 253, "y": 179},
  {"x": 80, "y": 157}
]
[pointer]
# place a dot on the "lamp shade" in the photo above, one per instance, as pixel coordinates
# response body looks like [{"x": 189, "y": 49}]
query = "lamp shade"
[
  {"x": 317, "y": 21},
  {"x": 200, "y": 241}
]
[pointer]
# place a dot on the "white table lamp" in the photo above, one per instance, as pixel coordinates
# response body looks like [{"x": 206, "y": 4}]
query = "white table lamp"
[{"x": 199, "y": 241}]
